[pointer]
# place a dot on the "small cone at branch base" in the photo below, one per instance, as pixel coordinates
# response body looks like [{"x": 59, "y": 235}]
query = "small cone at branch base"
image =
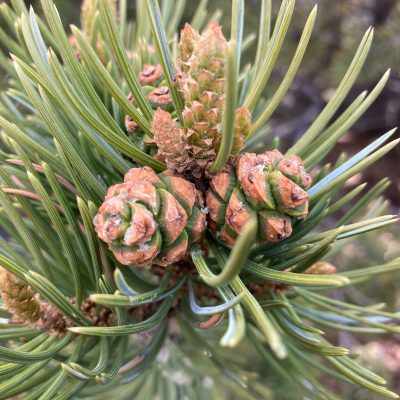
[
  {"x": 150, "y": 218},
  {"x": 26, "y": 307},
  {"x": 268, "y": 186},
  {"x": 18, "y": 298},
  {"x": 130, "y": 124}
]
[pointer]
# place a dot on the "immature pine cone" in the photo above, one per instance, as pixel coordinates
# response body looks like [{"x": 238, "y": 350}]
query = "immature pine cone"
[
  {"x": 202, "y": 83},
  {"x": 150, "y": 219},
  {"x": 18, "y": 298},
  {"x": 269, "y": 186},
  {"x": 203, "y": 59}
]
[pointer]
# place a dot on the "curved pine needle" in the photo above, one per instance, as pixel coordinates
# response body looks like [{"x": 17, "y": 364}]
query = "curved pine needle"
[
  {"x": 138, "y": 299},
  {"x": 210, "y": 310},
  {"x": 236, "y": 259},
  {"x": 236, "y": 329},
  {"x": 130, "y": 283},
  {"x": 124, "y": 330},
  {"x": 27, "y": 357},
  {"x": 263, "y": 321},
  {"x": 101, "y": 363},
  {"x": 63, "y": 115}
]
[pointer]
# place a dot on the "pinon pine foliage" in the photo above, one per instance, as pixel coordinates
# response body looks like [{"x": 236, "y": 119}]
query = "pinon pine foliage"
[{"x": 143, "y": 240}]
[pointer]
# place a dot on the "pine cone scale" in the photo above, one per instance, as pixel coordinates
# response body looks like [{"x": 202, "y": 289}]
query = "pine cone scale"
[
  {"x": 172, "y": 218},
  {"x": 141, "y": 229}
]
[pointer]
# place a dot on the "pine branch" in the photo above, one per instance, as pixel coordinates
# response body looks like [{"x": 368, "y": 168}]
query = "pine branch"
[{"x": 199, "y": 261}]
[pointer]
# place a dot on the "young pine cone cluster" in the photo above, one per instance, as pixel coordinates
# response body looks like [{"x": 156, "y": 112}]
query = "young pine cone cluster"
[{"x": 153, "y": 219}]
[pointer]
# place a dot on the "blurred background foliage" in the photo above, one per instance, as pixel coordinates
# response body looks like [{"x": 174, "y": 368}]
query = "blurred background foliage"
[{"x": 340, "y": 25}]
